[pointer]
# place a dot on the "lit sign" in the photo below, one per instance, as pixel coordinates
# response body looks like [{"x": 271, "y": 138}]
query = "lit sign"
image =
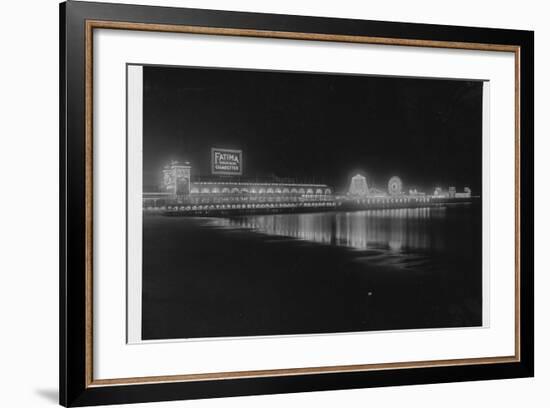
[{"x": 226, "y": 161}]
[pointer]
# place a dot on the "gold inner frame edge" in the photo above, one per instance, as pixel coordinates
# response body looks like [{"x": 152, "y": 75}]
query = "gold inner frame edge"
[{"x": 119, "y": 25}]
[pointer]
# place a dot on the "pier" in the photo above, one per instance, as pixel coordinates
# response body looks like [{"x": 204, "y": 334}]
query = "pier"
[
  {"x": 339, "y": 204},
  {"x": 232, "y": 196}
]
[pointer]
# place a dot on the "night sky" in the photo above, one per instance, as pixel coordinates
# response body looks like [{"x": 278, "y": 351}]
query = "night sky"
[{"x": 315, "y": 127}]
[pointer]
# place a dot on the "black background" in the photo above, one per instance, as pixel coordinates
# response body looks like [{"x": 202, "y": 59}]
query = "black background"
[{"x": 315, "y": 127}]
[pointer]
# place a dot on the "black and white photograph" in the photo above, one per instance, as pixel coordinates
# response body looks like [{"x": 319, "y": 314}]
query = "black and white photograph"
[
  {"x": 260, "y": 201},
  {"x": 301, "y": 203}
]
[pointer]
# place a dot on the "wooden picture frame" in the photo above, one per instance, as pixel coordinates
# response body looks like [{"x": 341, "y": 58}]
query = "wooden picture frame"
[{"x": 78, "y": 20}]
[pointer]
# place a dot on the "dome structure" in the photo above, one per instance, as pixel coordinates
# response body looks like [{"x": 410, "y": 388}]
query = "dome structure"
[{"x": 358, "y": 186}]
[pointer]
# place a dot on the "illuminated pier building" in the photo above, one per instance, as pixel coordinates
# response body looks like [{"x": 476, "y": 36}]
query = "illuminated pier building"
[
  {"x": 227, "y": 192},
  {"x": 361, "y": 196},
  {"x": 183, "y": 194},
  {"x": 358, "y": 186}
]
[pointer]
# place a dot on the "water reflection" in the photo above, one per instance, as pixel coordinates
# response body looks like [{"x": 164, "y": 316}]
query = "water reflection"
[{"x": 390, "y": 229}]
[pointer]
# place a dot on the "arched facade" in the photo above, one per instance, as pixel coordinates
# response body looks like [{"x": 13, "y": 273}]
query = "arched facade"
[{"x": 225, "y": 193}]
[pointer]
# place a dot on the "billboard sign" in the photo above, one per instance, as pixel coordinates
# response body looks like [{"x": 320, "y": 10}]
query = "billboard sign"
[{"x": 227, "y": 161}]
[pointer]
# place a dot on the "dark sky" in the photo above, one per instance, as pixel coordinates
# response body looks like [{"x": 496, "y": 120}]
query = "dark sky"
[{"x": 315, "y": 127}]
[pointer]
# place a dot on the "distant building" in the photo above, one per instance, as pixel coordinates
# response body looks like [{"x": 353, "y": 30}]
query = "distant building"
[
  {"x": 438, "y": 192},
  {"x": 176, "y": 178},
  {"x": 358, "y": 186},
  {"x": 415, "y": 193},
  {"x": 179, "y": 189},
  {"x": 375, "y": 192},
  {"x": 466, "y": 194},
  {"x": 452, "y": 192}
]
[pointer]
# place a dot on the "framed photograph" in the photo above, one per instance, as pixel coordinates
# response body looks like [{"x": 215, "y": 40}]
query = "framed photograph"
[{"x": 256, "y": 204}]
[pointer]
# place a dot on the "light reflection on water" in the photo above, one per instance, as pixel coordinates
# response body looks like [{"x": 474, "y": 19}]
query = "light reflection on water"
[{"x": 390, "y": 229}]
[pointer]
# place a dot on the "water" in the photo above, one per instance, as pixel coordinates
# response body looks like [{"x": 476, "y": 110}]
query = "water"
[
  {"x": 391, "y": 228},
  {"x": 312, "y": 273},
  {"x": 406, "y": 234}
]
